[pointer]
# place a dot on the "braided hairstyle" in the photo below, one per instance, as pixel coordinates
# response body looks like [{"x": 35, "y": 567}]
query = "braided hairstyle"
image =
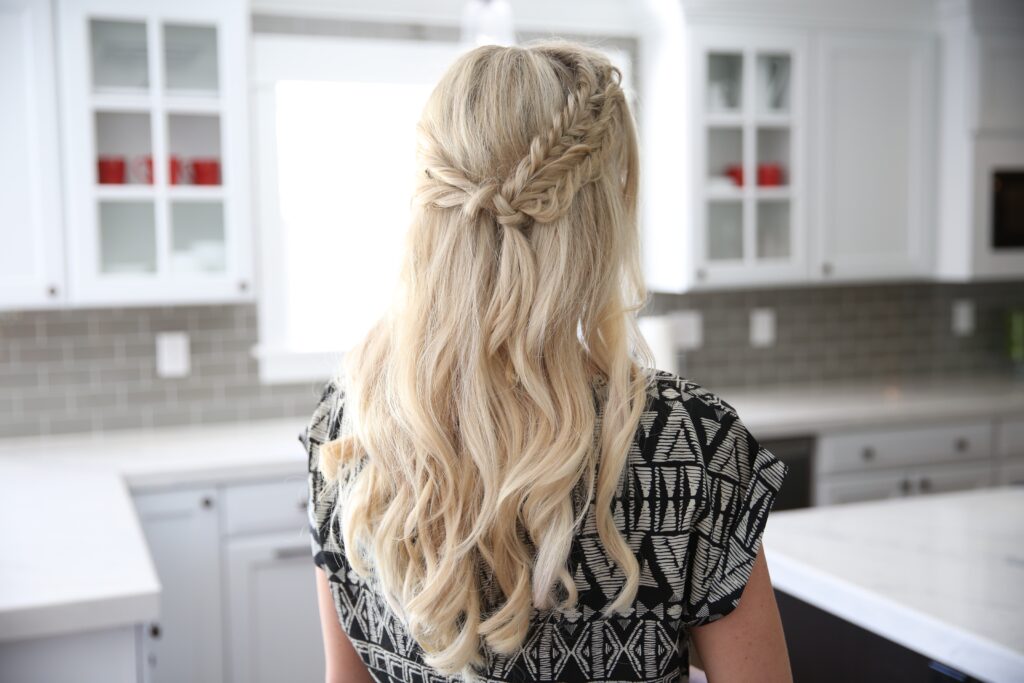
[
  {"x": 561, "y": 160},
  {"x": 491, "y": 411}
]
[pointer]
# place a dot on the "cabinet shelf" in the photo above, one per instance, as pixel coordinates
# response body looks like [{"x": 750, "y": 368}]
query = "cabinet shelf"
[
  {"x": 192, "y": 103},
  {"x": 127, "y": 101},
  {"x": 125, "y": 192}
]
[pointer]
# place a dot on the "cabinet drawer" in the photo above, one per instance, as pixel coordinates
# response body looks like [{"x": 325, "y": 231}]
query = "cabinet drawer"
[
  {"x": 901, "y": 482},
  {"x": 1011, "y": 437},
  {"x": 860, "y": 451},
  {"x": 278, "y": 505}
]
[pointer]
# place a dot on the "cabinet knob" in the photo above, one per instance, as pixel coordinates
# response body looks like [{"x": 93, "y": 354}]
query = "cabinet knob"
[
  {"x": 868, "y": 453},
  {"x": 302, "y": 504},
  {"x": 206, "y": 502},
  {"x": 926, "y": 484},
  {"x": 905, "y": 486},
  {"x": 961, "y": 444},
  {"x": 52, "y": 290},
  {"x": 826, "y": 268},
  {"x": 702, "y": 274},
  {"x": 243, "y": 285},
  {"x": 154, "y": 630}
]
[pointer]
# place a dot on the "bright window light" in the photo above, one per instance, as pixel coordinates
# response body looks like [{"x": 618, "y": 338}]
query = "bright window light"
[{"x": 346, "y": 166}]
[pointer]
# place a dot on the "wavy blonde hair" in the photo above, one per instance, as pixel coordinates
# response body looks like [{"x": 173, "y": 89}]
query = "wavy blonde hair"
[{"x": 471, "y": 405}]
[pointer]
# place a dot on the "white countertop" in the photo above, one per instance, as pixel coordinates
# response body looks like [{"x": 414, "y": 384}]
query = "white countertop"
[
  {"x": 941, "y": 574},
  {"x": 74, "y": 556},
  {"x": 814, "y": 409}
]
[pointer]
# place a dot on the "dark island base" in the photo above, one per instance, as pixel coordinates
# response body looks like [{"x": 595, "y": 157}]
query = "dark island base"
[{"x": 823, "y": 647}]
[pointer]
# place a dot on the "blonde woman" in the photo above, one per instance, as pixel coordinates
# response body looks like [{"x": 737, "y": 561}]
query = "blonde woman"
[{"x": 501, "y": 486}]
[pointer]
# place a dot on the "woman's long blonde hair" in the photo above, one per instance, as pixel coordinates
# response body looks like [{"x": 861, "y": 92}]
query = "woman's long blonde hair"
[{"x": 470, "y": 407}]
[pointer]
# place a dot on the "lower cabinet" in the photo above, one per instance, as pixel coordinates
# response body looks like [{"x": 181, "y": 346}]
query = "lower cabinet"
[
  {"x": 910, "y": 460},
  {"x": 182, "y": 529},
  {"x": 273, "y": 615},
  {"x": 238, "y": 600},
  {"x": 852, "y": 488}
]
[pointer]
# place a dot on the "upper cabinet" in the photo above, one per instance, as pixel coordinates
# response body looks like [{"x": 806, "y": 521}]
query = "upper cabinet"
[
  {"x": 981, "y": 188},
  {"x": 749, "y": 127},
  {"x": 874, "y": 155},
  {"x": 810, "y": 143},
  {"x": 153, "y": 119},
  {"x": 32, "y": 253}
]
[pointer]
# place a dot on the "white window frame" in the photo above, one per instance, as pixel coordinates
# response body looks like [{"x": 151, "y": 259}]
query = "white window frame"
[
  {"x": 327, "y": 58},
  {"x": 308, "y": 58}
]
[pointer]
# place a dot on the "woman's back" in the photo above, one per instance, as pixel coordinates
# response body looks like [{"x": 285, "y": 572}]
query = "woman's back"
[{"x": 692, "y": 503}]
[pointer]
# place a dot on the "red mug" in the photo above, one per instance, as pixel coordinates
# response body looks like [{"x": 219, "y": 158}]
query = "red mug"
[
  {"x": 206, "y": 171},
  {"x": 111, "y": 170},
  {"x": 769, "y": 174},
  {"x": 735, "y": 172},
  {"x": 174, "y": 170}
]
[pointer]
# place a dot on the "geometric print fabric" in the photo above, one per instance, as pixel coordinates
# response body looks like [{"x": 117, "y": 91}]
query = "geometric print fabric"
[{"x": 692, "y": 504}]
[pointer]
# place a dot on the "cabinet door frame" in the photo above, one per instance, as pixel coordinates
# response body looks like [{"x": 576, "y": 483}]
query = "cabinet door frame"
[
  {"x": 749, "y": 42},
  {"x": 241, "y": 554},
  {"x": 199, "y": 507},
  {"x": 87, "y": 286},
  {"x": 917, "y": 262},
  {"x": 45, "y": 286}
]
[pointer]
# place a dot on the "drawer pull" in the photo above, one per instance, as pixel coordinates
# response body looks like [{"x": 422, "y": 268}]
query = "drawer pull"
[
  {"x": 961, "y": 444},
  {"x": 206, "y": 502},
  {"x": 868, "y": 453},
  {"x": 905, "y": 486},
  {"x": 302, "y": 504},
  {"x": 154, "y": 630},
  {"x": 290, "y": 552},
  {"x": 926, "y": 484}
]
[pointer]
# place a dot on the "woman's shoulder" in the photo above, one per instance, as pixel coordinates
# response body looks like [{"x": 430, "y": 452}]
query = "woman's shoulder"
[{"x": 698, "y": 400}]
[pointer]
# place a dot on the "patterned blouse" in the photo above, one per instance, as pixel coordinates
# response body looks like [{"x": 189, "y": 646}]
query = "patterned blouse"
[{"x": 692, "y": 503}]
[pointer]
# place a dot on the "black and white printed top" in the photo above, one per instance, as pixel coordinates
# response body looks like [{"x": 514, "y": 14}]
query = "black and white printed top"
[{"x": 692, "y": 504}]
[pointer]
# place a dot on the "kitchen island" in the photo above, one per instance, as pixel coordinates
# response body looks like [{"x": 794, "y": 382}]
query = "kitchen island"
[{"x": 941, "y": 575}]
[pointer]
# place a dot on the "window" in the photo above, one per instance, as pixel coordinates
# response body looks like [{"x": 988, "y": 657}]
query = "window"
[{"x": 335, "y": 152}]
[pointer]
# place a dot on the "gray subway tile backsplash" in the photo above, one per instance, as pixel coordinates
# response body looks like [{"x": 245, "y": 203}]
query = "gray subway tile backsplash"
[{"x": 95, "y": 369}]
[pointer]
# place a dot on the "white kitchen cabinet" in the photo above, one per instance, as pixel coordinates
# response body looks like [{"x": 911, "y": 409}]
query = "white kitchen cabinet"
[
  {"x": 874, "y": 163},
  {"x": 872, "y": 464},
  {"x": 900, "y": 482},
  {"x": 154, "y": 123},
  {"x": 182, "y": 530},
  {"x": 104, "y": 655},
  {"x": 31, "y": 232},
  {"x": 982, "y": 134},
  {"x": 875, "y": 449},
  {"x": 274, "y": 616},
  {"x": 749, "y": 131}
]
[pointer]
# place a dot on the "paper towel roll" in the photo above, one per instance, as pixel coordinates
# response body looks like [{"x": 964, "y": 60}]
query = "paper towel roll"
[{"x": 659, "y": 331}]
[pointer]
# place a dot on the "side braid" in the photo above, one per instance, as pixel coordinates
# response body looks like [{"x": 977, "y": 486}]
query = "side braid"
[{"x": 542, "y": 185}]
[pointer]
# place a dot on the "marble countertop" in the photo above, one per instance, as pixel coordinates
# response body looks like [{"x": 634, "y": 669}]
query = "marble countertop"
[
  {"x": 74, "y": 556},
  {"x": 815, "y": 409},
  {"x": 941, "y": 574}
]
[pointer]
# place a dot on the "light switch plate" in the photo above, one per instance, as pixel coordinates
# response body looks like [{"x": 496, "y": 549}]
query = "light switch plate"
[
  {"x": 688, "y": 327},
  {"x": 762, "y": 327},
  {"x": 172, "y": 354},
  {"x": 963, "y": 317}
]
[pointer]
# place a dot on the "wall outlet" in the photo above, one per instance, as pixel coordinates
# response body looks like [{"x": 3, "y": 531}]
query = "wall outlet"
[
  {"x": 172, "y": 354},
  {"x": 762, "y": 327},
  {"x": 963, "y": 317},
  {"x": 688, "y": 327}
]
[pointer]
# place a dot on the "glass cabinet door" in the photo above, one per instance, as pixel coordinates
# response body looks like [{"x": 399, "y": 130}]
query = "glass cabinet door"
[
  {"x": 156, "y": 132},
  {"x": 747, "y": 187}
]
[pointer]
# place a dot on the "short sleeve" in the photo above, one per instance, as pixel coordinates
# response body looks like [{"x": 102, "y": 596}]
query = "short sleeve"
[
  {"x": 741, "y": 480},
  {"x": 323, "y": 426}
]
